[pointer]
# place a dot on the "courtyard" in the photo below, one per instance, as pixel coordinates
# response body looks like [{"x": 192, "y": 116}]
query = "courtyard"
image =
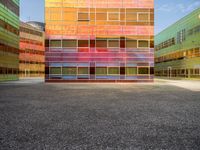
[{"x": 160, "y": 115}]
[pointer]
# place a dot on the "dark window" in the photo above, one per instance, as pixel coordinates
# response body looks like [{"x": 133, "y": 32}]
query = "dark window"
[
  {"x": 101, "y": 43},
  {"x": 143, "y": 70},
  {"x": 83, "y": 43}
]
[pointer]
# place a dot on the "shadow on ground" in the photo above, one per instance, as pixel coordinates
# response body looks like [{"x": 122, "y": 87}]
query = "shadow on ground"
[{"x": 99, "y": 116}]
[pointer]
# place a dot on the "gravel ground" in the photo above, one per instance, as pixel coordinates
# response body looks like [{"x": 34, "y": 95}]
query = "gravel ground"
[{"x": 98, "y": 117}]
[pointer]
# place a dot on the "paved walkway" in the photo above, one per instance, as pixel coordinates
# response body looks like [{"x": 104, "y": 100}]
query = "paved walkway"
[
  {"x": 160, "y": 115},
  {"x": 193, "y": 85}
]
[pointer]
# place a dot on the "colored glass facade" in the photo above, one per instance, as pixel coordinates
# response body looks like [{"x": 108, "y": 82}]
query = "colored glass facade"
[
  {"x": 9, "y": 39},
  {"x": 177, "y": 48},
  {"x": 31, "y": 51},
  {"x": 99, "y": 40}
]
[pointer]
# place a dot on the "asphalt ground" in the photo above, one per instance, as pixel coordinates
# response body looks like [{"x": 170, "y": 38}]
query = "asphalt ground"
[{"x": 160, "y": 115}]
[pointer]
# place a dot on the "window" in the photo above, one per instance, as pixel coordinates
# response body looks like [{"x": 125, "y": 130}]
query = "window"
[
  {"x": 143, "y": 17},
  {"x": 55, "y": 43},
  {"x": 69, "y": 43},
  {"x": 181, "y": 36},
  {"x": 101, "y": 16},
  {"x": 143, "y": 43},
  {"x": 151, "y": 44},
  {"x": 83, "y": 43},
  {"x": 113, "y": 16},
  {"x": 113, "y": 70},
  {"x": 55, "y": 70},
  {"x": 113, "y": 43},
  {"x": 101, "y": 43},
  {"x": 101, "y": 71},
  {"x": 47, "y": 43},
  {"x": 131, "y": 17},
  {"x": 83, "y": 16},
  {"x": 143, "y": 70},
  {"x": 69, "y": 71},
  {"x": 131, "y": 43},
  {"x": 131, "y": 71},
  {"x": 83, "y": 70}
]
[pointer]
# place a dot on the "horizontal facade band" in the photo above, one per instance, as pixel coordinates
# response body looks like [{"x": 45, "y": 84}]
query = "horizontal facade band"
[
  {"x": 9, "y": 4},
  {"x": 9, "y": 49}
]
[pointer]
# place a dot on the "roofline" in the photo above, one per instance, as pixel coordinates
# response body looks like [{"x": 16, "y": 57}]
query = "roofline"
[{"x": 178, "y": 21}]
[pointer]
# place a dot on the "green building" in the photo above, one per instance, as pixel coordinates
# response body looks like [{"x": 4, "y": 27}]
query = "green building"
[
  {"x": 9, "y": 39},
  {"x": 177, "y": 48}
]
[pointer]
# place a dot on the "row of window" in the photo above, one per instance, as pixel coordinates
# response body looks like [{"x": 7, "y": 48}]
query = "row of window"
[
  {"x": 4, "y": 70},
  {"x": 178, "y": 72},
  {"x": 29, "y": 41},
  {"x": 179, "y": 55},
  {"x": 194, "y": 30},
  {"x": 99, "y": 70},
  {"x": 9, "y": 27},
  {"x": 11, "y": 6},
  {"x": 6, "y": 48},
  {"x": 165, "y": 44},
  {"x": 30, "y": 31},
  {"x": 30, "y": 72},
  {"x": 99, "y": 10},
  {"x": 31, "y": 51},
  {"x": 104, "y": 16},
  {"x": 99, "y": 43},
  {"x": 181, "y": 37},
  {"x": 30, "y": 62}
]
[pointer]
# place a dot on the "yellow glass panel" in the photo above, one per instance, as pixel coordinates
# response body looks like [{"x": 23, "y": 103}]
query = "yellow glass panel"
[{"x": 113, "y": 16}]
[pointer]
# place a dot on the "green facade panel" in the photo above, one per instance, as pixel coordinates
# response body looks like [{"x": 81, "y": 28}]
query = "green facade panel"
[
  {"x": 177, "y": 48},
  {"x": 9, "y": 40}
]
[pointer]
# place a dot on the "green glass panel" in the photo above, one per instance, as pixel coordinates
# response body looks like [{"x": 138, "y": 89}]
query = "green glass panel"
[
  {"x": 69, "y": 71},
  {"x": 131, "y": 71},
  {"x": 55, "y": 43},
  {"x": 113, "y": 70},
  {"x": 101, "y": 71},
  {"x": 55, "y": 70},
  {"x": 83, "y": 70},
  {"x": 69, "y": 43}
]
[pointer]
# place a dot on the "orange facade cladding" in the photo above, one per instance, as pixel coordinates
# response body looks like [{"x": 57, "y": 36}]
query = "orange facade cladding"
[
  {"x": 31, "y": 51},
  {"x": 94, "y": 26}
]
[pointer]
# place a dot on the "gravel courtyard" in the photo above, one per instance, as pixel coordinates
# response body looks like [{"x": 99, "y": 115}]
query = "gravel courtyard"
[{"x": 37, "y": 115}]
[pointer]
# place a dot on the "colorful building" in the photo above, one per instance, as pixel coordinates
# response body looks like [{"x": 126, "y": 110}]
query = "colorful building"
[
  {"x": 99, "y": 40},
  {"x": 9, "y": 39},
  {"x": 31, "y": 51},
  {"x": 177, "y": 48},
  {"x": 39, "y": 25}
]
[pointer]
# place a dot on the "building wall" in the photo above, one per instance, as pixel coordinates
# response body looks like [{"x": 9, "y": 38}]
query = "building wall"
[
  {"x": 9, "y": 39},
  {"x": 99, "y": 40},
  {"x": 31, "y": 51},
  {"x": 177, "y": 50}
]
